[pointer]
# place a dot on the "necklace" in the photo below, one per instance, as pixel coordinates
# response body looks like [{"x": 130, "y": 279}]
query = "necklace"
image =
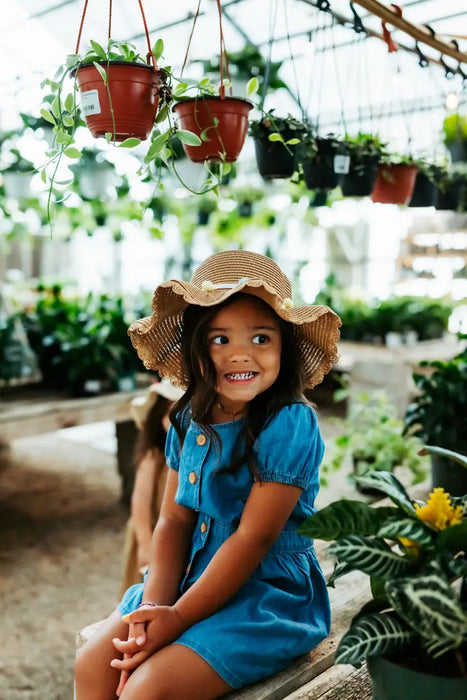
[{"x": 231, "y": 414}]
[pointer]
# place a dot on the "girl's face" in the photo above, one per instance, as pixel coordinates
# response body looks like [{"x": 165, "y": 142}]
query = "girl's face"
[{"x": 244, "y": 343}]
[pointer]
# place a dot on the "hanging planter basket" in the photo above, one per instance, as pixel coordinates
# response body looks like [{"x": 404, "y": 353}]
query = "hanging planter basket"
[
  {"x": 319, "y": 171},
  {"x": 425, "y": 192},
  {"x": 273, "y": 158},
  {"x": 133, "y": 103},
  {"x": 394, "y": 184},
  {"x": 220, "y": 122},
  {"x": 450, "y": 197},
  {"x": 360, "y": 179}
]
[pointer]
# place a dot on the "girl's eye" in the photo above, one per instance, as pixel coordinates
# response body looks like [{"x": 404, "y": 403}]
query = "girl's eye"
[
  {"x": 261, "y": 339},
  {"x": 219, "y": 340}
]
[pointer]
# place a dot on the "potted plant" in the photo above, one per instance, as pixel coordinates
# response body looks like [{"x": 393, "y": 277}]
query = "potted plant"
[
  {"x": 425, "y": 192},
  {"x": 276, "y": 141},
  {"x": 413, "y": 631},
  {"x": 395, "y": 179},
  {"x": 364, "y": 152},
  {"x": 17, "y": 175},
  {"x": 373, "y": 439},
  {"x": 93, "y": 173},
  {"x": 205, "y": 205},
  {"x": 437, "y": 417},
  {"x": 17, "y": 361},
  {"x": 451, "y": 183},
  {"x": 455, "y": 136},
  {"x": 317, "y": 158},
  {"x": 245, "y": 198}
]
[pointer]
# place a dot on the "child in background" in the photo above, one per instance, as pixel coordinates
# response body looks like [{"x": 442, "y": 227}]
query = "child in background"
[
  {"x": 151, "y": 415},
  {"x": 233, "y": 593}
]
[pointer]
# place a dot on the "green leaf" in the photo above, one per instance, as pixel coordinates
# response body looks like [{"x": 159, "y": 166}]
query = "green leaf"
[
  {"x": 345, "y": 517},
  {"x": 48, "y": 116},
  {"x": 390, "y": 486},
  {"x": 275, "y": 136},
  {"x": 68, "y": 121},
  {"x": 72, "y": 60},
  {"x": 430, "y": 606},
  {"x": 180, "y": 89},
  {"x": 373, "y": 635},
  {"x": 102, "y": 72},
  {"x": 55, "y": 107},
  {"x": 162, "y": 114},
  {"x": 69, "y": 102},
  {"x": 72, "y": 152},
  {"x": 292, "y": 142},
  {"x": 108, "y": 136},
  {"x": 130, "y": 143},
  {"x": 156, "y": 146},
  {"x": 188, "y": 137},
  {"x": 373, "y": 557},
  {"x": 454, "y": 538},
  {"x": 44, "y": 176},
  {"x": 99, "y": 50},
  {"x": 158, "y": 49},
  {"x": 409, "y": 528},
  {"x": 252, "y": 86}
]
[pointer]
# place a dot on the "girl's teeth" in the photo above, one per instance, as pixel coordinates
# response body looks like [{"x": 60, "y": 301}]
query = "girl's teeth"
[{"x": 241, "y": 375}]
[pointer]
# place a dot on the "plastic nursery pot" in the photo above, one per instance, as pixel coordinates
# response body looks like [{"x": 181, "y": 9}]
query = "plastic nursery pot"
[
  {"x": 425, "y": 192},
  {"x": 274, "y": 160},
  {"x": 319, "y": 171},
  {"x": 458, "y": 150},
  {"x": 220, "y": 123},
  {"x": 359, "y": 181},
  {"x": 450, "y": 198},
  {"x": 449, "y": 475},
  {"x": 394, "y": 682},
  {"x": 134, "y": 96},
  {"x": 394, "y": 184}
]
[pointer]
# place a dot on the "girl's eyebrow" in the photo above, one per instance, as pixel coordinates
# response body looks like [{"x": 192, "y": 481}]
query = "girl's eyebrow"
[{"x": 252, "y": 328}]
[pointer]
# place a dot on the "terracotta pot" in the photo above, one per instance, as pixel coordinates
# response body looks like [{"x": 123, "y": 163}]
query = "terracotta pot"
[
  {"x": 394, "y": 184},
  {"x": 222, "y": 122},
  {"x": 134, "y": 99}
]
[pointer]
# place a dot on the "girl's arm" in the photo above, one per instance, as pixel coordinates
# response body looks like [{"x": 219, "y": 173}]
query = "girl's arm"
[
  {"x": 266, "y": 511},
  {"x": 169, "y": 547},
  {"x": 141, "y": 504}
]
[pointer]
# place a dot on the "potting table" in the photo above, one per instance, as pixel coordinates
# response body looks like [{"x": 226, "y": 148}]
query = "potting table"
[{"x": 35, "y": 412}]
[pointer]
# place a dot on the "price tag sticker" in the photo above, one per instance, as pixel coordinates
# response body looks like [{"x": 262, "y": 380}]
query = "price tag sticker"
[
  {"x": 341, "y": 164},
  {"x": 90, "y": 103}
]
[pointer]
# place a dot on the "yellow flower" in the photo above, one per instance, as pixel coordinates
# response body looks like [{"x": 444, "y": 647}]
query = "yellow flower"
[
  {"x": 207, "y": 286},
  {"x": 287, "y": 303},
  {"x": 439, "y": 511}
]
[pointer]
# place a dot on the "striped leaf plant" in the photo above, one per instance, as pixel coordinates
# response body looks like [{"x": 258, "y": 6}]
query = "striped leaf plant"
[{"x": 415, "y": 554}]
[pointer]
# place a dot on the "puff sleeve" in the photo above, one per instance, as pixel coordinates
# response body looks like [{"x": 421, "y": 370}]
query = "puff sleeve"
[
  {"x": 172, "y": 449},
  {"x": 290, "y": 449}
]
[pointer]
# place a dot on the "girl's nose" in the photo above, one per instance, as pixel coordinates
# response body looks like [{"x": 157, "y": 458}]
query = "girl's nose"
[{"x": 239, "y": 353}]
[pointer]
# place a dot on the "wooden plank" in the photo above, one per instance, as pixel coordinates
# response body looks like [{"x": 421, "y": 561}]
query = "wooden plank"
[
  {"x": 342, "y": 682},
  {"x": 37, "y": 415}
]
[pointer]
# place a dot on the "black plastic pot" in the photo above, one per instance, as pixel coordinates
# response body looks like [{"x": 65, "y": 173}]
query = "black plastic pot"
[
  {"x": 449, "y": 475},
  {"x": 245, "y": 210},
  {"x": 392, "y": 681},
  {"x": 450, "y": 198},
  {"x": 319, "y": 171},
  {"x": 359, "y": 181},
  {"x": 458, "y": 150},
  {"x": 425, "y": 192},
  {"x": 275, "y": 160}
]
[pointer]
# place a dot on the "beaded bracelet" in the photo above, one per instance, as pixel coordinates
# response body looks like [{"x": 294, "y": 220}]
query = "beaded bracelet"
[{"x": 151, "y": 605}]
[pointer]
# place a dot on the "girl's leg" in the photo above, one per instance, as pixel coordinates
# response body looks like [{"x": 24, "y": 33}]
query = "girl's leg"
[
  {"x": 94, "y": 676},
  {"x": 173, "y": 673}
]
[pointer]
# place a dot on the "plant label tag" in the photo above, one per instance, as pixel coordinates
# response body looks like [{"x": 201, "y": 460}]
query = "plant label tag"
[
  {"x": 90, "y": 103},
  {"x": 341, "y": 164}
]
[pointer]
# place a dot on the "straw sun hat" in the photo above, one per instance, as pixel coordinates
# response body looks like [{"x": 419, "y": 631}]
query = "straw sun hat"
[{"x": 157, "y": 338}]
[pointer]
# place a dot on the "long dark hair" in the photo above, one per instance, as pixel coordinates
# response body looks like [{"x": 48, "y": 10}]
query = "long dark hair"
[
  {"x": 202, "y": 380},
  {"x": 152, "y": 433}
]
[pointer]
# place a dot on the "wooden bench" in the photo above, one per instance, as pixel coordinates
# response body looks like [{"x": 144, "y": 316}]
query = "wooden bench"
[
  {"x": 313, "y": 675},
  {"x": 34, "y": 412}
]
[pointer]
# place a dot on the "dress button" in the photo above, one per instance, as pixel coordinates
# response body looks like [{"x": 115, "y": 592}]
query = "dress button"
[
  {"x": 203, "y": 527},
  {"x": 192, "y": 478},
  {"x": 201, "y": 440}
]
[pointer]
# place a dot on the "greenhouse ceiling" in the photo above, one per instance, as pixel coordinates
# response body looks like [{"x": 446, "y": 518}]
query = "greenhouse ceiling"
[{"x": 340, "y": 79}]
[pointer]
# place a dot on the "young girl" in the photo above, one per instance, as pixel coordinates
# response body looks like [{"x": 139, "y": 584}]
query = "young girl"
[
  {"x": 233, "y": 593},
  {"x": 151, "y": 415}
]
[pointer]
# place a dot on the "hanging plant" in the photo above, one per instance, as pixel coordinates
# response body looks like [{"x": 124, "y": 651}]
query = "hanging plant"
[
  {"x": 363, "y": 152},
  {"x": 425, "y": 193},
  {"x": 452, "y": 189},
  {"x": 317, "y": 156},
  {"x": 276, "y": 142},
  {"x": 395, "y": 180},
  {"x": 455, "y": 137}
]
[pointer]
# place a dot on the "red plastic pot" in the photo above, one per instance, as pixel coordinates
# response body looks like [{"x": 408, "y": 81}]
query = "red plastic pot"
[
  {"x": 134, "y": 97},
  {"x": 220, "y": 123},
  {"x": 394, "y": 184}
]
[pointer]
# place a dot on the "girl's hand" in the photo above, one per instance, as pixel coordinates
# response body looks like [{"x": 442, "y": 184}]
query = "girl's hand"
[
  {"x": 162, "y": 626},
  {"x": 135, "y": 632}
]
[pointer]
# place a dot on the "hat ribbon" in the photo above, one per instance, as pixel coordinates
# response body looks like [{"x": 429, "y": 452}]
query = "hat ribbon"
[{"x": 208, "y": 286}]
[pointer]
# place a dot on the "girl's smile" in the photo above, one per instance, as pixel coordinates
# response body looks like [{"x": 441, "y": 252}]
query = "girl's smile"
[{"x": 244, "y": 342}]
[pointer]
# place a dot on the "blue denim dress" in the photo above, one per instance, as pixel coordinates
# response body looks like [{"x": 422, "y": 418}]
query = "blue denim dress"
[{"x": 283, "y": 610}]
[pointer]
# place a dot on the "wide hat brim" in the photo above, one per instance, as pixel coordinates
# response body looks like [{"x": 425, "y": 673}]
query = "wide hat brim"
[{"x": 157, "y": 338}]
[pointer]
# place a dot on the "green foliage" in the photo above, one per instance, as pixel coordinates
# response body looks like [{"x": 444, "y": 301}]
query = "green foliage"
[
  {"x": 415, "y": 568},
  {"x": 373, "y": 439},
  {"x": 437, "y": 414},
  {"x": 246, "y": 63},
  {"x": 17, "y": 361},
  {"x": 362, "y": 148},
  {"x": 455, "y": 128},
  {"x": 19, "y": 164}
]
